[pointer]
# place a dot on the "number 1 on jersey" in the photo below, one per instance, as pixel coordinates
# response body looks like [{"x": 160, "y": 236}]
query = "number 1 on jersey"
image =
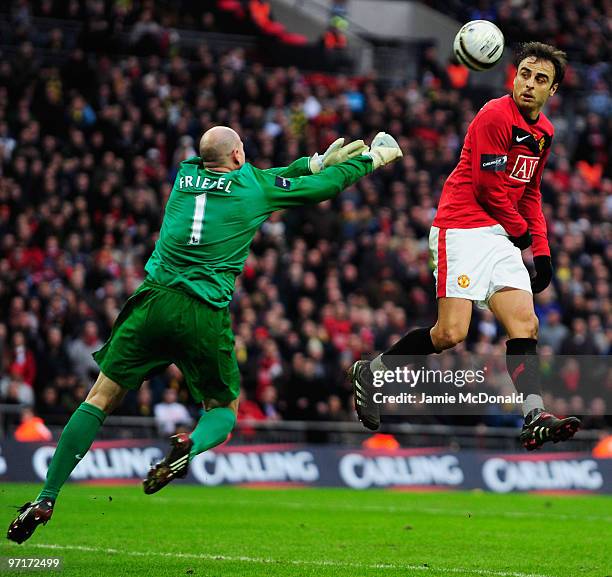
[{"x": 198, "y": 219}]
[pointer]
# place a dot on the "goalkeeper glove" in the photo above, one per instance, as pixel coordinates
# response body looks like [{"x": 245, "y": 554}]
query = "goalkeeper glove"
[
  {"x": 384, "y": 150},
  {"x": 543, "y": 273},
  {"x": 336, "y": 153}
]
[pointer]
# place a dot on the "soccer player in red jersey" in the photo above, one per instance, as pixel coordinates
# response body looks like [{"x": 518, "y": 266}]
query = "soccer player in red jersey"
[{"x": 490, "y": 211}]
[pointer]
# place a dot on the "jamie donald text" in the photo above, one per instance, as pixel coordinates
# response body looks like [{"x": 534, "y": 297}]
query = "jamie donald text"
[{"x": 446, "y": 398}]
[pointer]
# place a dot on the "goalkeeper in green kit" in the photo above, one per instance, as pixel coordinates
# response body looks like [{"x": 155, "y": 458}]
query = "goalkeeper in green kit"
[{"x": 180, "y": 314}]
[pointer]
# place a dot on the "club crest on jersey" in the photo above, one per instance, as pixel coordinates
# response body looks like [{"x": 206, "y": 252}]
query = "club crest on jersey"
[
  {"x": 463, "y": 281},
  {"x": 542, "y": 143},
  {"x": 524, "y": 168}
]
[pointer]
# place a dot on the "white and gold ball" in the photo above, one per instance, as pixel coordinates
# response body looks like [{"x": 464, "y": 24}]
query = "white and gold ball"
[{"x": 479, "y": 45}]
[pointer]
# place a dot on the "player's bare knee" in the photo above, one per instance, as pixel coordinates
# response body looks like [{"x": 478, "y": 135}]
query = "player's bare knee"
[
  {"x": 104, "y": 401},
  {"x": 526, "y": 326},
  {"x": 106, "y": 395},
  {"x": 447, "y": 336},
  {"x": 532, "y": 326},
  {"x": 100, "y": 401},
  {"x": 215, "y": 404}
]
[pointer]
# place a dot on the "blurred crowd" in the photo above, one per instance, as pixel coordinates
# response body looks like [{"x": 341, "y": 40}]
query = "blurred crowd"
[
  {"x": 89, "y": 145},
  {"x": 582, "y": 28}
]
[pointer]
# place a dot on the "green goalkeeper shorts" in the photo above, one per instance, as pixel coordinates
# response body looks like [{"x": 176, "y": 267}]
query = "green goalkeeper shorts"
[{"x": 159, "y": 326}]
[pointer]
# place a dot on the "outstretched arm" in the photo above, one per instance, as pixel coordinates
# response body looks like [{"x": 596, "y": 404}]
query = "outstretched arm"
[
  {"x": 336, "y": 153},
  {"x": 299, "y": 167},
  {"x": 282, "y": 192}
]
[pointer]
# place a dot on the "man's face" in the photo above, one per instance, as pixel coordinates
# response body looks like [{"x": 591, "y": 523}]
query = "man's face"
[{"x": 533, "y": 85}]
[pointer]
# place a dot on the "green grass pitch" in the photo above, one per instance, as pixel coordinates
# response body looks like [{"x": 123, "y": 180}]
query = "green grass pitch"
[{"x": 225, "y": 531}]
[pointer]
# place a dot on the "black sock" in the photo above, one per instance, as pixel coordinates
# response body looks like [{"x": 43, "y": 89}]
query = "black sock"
[
  {"x": 522, "y": 364},
  {"x": 415, "y": 343}
]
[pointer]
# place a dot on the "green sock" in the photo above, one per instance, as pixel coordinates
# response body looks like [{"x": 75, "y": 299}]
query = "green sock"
[
  {"x": 212, "y": 429},
  {"x": 77, "y": 436}
]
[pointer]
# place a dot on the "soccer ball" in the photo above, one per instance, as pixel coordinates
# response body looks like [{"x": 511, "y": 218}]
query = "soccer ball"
[{"x": 479, "y": 45}]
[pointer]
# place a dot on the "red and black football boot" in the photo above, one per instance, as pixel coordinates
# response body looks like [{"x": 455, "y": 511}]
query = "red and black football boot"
[
  {"x": 363, "y": 392},
  {"x": 31, "y": 515},
  {"x": 541, "y": 427},
  {"x": 174, "y": 466}
]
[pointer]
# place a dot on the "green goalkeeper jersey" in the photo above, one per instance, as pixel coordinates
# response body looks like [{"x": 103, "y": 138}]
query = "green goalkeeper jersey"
[{"x": 211, "y": 218}]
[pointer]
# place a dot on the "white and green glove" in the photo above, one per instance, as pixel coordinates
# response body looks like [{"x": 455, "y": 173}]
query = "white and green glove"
[
  {"x": 337, "y": 153},
  {"x": 384, "y": 150}
]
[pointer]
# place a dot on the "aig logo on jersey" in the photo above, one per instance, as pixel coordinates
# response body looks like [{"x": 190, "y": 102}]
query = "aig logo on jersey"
[{"x": 524, "y": 167}]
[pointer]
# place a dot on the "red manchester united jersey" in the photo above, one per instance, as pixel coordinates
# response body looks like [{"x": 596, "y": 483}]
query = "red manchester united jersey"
[{"x": 497, "y": 180}]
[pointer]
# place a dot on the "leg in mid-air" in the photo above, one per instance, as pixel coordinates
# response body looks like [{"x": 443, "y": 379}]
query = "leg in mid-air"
[
  {"x": 76, "y": 439},
  {"x": 139, "y": 345},
  {"x": 451, "y": 328},
  {"x": 514, "y": 309},
  {"x": 208, "y": 363},
  {"x": 212, "y": 429}
]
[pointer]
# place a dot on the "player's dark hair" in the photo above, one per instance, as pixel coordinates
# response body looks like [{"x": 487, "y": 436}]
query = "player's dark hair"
[{"x": 543, "y": 51}]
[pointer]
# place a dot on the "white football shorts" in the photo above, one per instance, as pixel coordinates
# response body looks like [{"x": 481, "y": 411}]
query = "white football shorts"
[{"x": 475, "y": 263}]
